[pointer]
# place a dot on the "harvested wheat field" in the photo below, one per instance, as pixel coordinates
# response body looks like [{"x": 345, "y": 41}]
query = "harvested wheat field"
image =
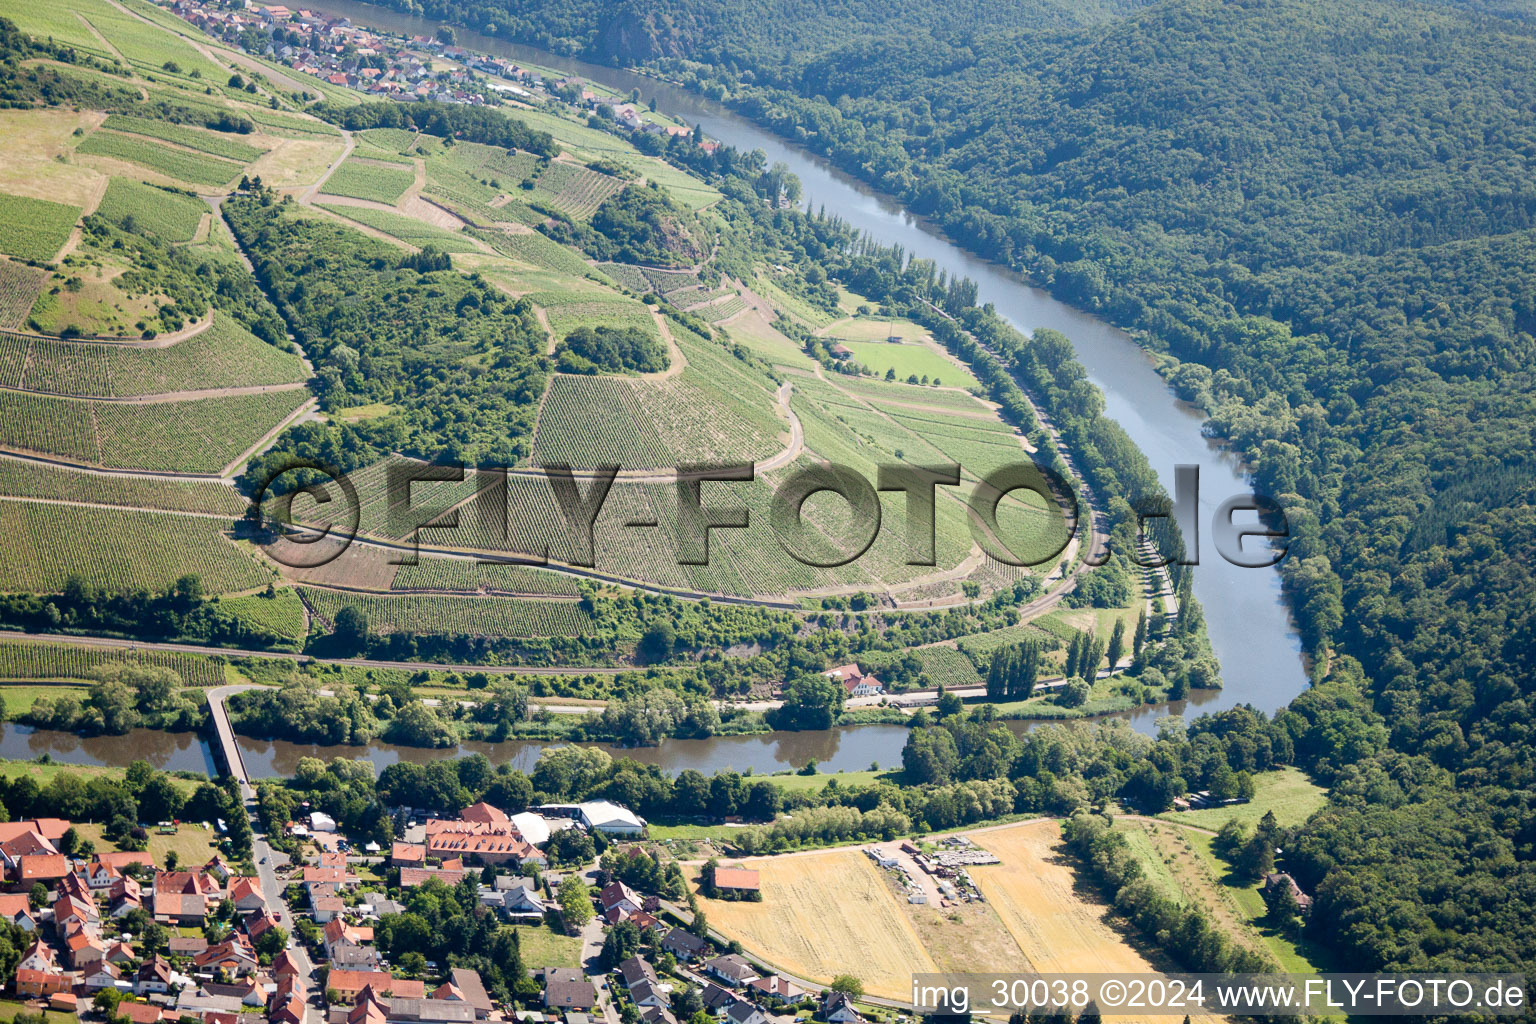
[
  {"x": 825, "y": 914},
  {"x": 1032, "y": 892}
]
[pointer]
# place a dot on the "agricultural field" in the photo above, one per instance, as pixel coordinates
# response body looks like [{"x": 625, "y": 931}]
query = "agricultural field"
[
  {"x": 1287, "y": 792},
  {"x": 947, "y": 666},
  {"x": 471, "y": 616},
  {"x": 204, "y": 141},
  {"x": 34, "y": 229},
  {"x": 394, "y": 140},
  {"x": 361, "y": 179},
  {"x": 41, "y": 545},
  {"x": 721, "y": 311},
  {"x": 1037, "y": 896},
  {"x": 575, "y": 191},
  {"x": 25, "y": 479},
  {"x": 29, "y": 660},
  {"x": 458, "y": 574},
  {"x": 534, "y": 249},
  {"x": 279, "y": 124},
  {"x": 172, "y": 217},
  {"x": 182, "y": 164},
  {"x": 407, "y": 229},
  {"x": 224, "y": 355},
  {"x": 280, "y": 616},
  {"x": 825, "y": 914},
  {"x": 568, "y": 310},
  {"x": 19, "y": 287},
  {"x": 198, "y": 436},
  {"x": 979, "y": 647}
]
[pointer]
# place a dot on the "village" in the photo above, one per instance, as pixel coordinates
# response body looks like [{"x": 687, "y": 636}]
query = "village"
[
  {"x": 341, "y": 55},
  {"x": 122, "y": 936}
]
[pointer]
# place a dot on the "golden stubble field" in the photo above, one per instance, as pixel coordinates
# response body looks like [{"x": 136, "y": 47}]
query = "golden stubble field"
[
  {"x": 825, "y": 914},
  {"x": 833, "y": 912}
]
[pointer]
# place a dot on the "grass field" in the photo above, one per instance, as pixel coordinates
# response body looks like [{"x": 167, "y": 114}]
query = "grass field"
[
  {"x": 9, "y": 1008},
  {"x": 362, "y": 180},
  {"x": 42, "y": 545},
  {"x": 193, "y": 845},
  {"x": 34, "y": 229},
  {"x": 1288, "y": 792},
  {"x": 45, "y": 772},
  {"x": 825, "y": 914},
  {"x": 173, "y": 217},
  {"x": 542, "y": 946},
  {"x": 910, "y": 358},
  {"x": 17, "y": 699},
  {"x": 816, "y": 783},
  {"x": 182, "y": 164}
]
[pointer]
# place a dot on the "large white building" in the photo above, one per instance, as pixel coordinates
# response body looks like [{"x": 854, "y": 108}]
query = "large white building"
[{"x": 605, "y": 816}]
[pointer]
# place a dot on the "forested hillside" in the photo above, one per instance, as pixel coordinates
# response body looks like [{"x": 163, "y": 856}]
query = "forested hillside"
[{"x": 1324, "y": 217}]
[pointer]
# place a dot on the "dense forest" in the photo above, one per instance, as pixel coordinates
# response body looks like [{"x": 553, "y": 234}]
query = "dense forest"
[{"x": 1323, "y": 219}]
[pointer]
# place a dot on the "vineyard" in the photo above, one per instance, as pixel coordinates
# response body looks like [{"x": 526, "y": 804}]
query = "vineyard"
[
  {"x": 575, "y": 191},
  {"x": 224, "y": 355},
  {"x": 476, "y": 180},
  {"x": 278, "y": 124},
  {"x": 979, "y": 647},
  {"x": 199, "y": 436},
  {"x": 25, "y": 479},
  {"x": 360, "y": 179},
  {"x": 534, "y": 249},
  {"x": 722, "y": 311},
  {"x": 28, "y": 662},
  {"x": 377, "y": 516},
  {"x": 947, "y": 666},
  {"x": 669, "y": 283},
  {"x": 19, "y": 288},
  {"x": 175, "y": 218},
  {"x": 42, "y": 545},
  {"x": 407, "y": 229},
  {"x": 468, "y": 616},
  {"x": 203, "y": 141},
  {"x": 280, "y": 616},
  {"x": 34, "y": 229},
  {"x": 394, "y": 140},
  {"x": 459, "y": 574},
  {"x": 568, "y": 310},
  {"x": 197, "y": 168}
]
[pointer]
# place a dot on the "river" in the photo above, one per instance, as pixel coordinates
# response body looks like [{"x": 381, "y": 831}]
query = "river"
[{"x": 1249, "y": 625}]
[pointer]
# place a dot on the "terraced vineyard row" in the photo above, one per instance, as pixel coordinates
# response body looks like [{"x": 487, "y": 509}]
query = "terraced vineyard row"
[
  {"x": 19, "y": 287},
  {"x": 27, "y": 661},
  {"x": 567, "y": 311},
  {"x": 197, "y": 168},
  {"x": 647, "y": 279},
  {"x": 224, "y": 355},
  {"x": 470, "y": 616},
  {"x": 407, "y": 229},
  {"x": 34, "y": 229},
  {"x": 723, "y": 311},
  {"x": 362, "y": 180},
  {"x": 21, "y": 478},
  {"x": 42, "y": 545},
  {"x": 535, "y": 250},
  {"x": 378, "y": 516},
  {"x": 459, "y": 574},
  {"x": 175, "y": 218},
  {"x": 280, "y": 616},
  {"x": 201, "y": 436},
  {"x": 203, "y": 141},
  {"x": 575, "y": 191},
  {"x": 277, "y": 124},
  {"x": 948, "y": 667},
  {"x": 979, "y": 646}
]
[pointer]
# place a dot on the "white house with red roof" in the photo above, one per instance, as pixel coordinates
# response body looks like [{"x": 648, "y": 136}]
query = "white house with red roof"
[{"x": 855, "y": 682}]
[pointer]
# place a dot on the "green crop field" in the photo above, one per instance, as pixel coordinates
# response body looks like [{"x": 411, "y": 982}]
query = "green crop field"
[
  {"x": 173, "y": 217},
  {"x": 213, "y": 143},
  {"x": 280, "y": 616},
  {"x": 947, "y": 666},
  {"x": 28, "y": 661},
  {"x": 361, "y": 180},
  {"x": 20, "y": 286},
  {"x": 25, "y": 479},
  {"x": 575, "y": 191},
  {"x": 34, "y": 229},
  {"x": 568, "y": 310},
  {"x": 200, "y": 436},
  {"x": 185, "y": 165},
  {"x": 41, "y": 545},
  {"x": 458, "y": 574},
  {"x": 223, "y": 355},
  {"x": 534, "y": 249},
  {"x": 980, "y": 646},
  {"x": 909, "y": 358},
  {"x": 407, "y": 229},
  {"x": 474, "y": 616}
]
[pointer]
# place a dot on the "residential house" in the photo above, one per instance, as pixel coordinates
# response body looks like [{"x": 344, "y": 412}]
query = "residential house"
[
  {"x": 521, "y": 902},
  {"x": 245, "y": 893},
  {"x": 140, "y": 1013},
  {"x": 124, "y": 896},
  {"x": 485, "y": 813},
  {"x": 233, "y": 956},
  {"x": 732, "y": 968},
  {"x": 430, "y": 1011},
  {"x": 186, "y": 945},
  {"x": 464, "y": 985},
  {"x": 154, "y": 975},
  {"x": 16, "y": 907},
  {"x": 743, "y": 1012},
  {"x": 412, "y": 877},
  {"x": 285, "y": 965},
  {"x": 777, "y": 989},
  {"x": 408, "y": 855},
  {"x": 657, "y": 1015},
  {"x": 566, "y": 988},
  {"x": 838, "y": 1008},
  {"x": 649, "y": 993},
  {"x": 102, "y": 975},
  {"x": 349, "y": 985},
  {"x": 85, "y": 951},
  {"x": 35, "y": 984},
  {"x": 617, "y": 895},
  {"x": 635, "y": 970},
  {"x": 122, "y": 860},
  {"x": 48, "y": 868},
  {"x": 39, "y": 957},
  {"x": 718, "y": 999},
  {"x": 855, "y": 682},
  {"x": 338, "y": 931},
  {"x": 683, "y": 944},
  {"x": 327, "y": 908}
]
